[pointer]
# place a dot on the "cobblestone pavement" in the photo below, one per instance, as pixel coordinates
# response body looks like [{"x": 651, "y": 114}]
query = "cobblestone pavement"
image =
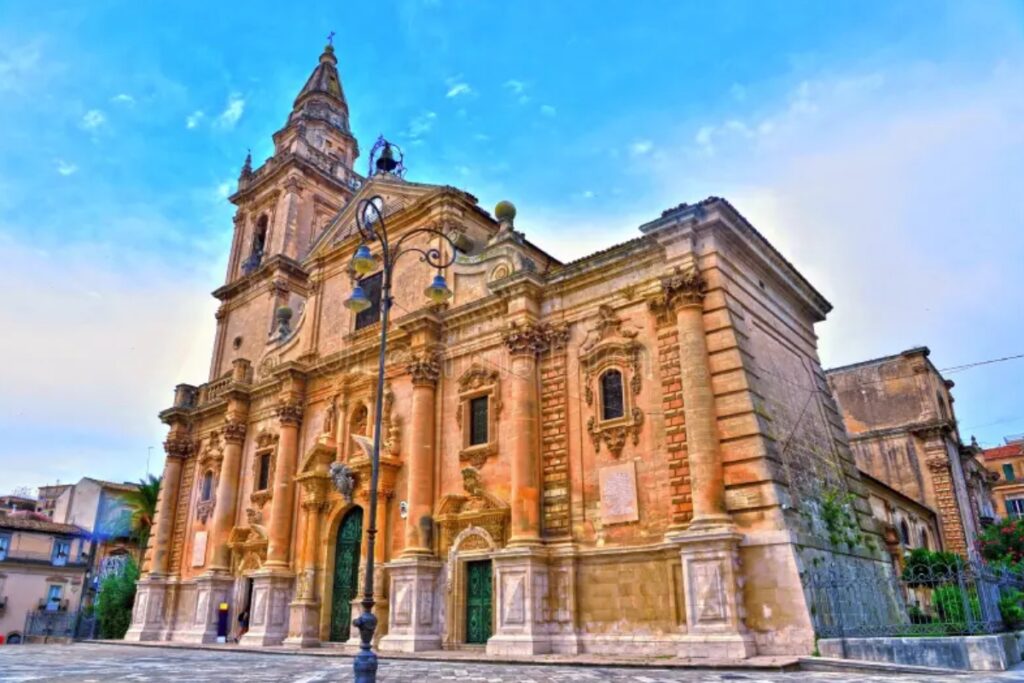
[{"x": 91, "y": 662}]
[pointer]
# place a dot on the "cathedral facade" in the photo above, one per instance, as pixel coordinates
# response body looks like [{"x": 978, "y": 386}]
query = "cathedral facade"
[{"x": 626, "y": 452}]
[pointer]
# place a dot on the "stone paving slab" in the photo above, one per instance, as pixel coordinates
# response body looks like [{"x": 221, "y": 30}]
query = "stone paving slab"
[{"x": 91, "y": 662}]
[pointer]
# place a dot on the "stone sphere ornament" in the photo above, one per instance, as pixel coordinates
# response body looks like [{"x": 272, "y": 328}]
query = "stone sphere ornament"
[{"x": 505, "y": 211}]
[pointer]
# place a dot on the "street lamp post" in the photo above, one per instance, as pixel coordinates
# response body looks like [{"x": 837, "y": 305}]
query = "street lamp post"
[{"x": 370, "y": 221}]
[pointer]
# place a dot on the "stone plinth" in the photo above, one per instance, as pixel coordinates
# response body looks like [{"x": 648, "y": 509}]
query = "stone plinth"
[
  {"x": 521, "y": 581},
  {"x": 714, "y": 618},
  {"x": 304, "y": 623},
  {"x": 268, "y": 617},
  {"x": 414, "y": 624},
  {"x": 148, "y": 613},
  {"x": 211, "y": 591}
]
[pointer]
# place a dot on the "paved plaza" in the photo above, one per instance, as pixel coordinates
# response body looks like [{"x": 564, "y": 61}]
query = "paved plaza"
[{"x": 97, "y": 662}]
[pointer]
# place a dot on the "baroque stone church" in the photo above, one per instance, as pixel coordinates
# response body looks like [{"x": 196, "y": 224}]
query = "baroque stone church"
[{"x": 625, "y": 452}]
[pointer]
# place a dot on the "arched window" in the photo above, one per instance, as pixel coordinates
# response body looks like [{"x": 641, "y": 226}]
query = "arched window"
[
  {"x": 207, "y": 485},
  {"x": 14, "y": 638},
  {"x": 259, "y": 244},
  {"x": 904, "y": 533},
  {"x": 924, "y": 539},
  {"x": 263, "y": 482},
  {"x": 612, "y": 400}
]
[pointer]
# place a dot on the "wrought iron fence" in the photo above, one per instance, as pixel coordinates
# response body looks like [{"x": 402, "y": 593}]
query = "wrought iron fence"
[
  {"x": 960, "y": 598},
  {"x": 57, "y": 624}
]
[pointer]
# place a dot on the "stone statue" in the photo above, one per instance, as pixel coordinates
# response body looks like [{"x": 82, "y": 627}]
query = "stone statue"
[
  {"x": 330, "y": 415},
  {"x": 343, "y": 480}
]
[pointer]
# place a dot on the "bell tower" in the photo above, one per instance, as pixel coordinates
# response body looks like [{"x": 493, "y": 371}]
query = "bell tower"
[{"x": 285, "y": 203}]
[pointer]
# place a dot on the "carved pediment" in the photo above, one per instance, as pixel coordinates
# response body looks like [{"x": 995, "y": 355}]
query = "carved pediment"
[{"x": 476, "y": 507}]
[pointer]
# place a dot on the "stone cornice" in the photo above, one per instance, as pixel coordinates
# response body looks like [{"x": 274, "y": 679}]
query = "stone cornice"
[
  {"x": 523, "y": 283},
  {"x": 274, "y": 268},
  {"x": 281, "y": 164}
]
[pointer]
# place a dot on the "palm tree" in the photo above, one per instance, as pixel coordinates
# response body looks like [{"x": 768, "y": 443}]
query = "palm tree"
[{"x": 142, "y": 504}]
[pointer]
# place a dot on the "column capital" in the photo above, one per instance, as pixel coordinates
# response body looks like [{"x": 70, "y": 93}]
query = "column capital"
[
  {"x": 234, "y": 431},
  {"x": 178, "y": 447},
  {"x": 425, "y": 369},
  {"x": 533, "y": 339},
  {"x": 681, "y": 287},
  {"x": 289, "y": 413}
]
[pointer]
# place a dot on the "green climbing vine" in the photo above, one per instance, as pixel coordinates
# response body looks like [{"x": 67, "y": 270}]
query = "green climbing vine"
[{"x": 840, "y": 519}]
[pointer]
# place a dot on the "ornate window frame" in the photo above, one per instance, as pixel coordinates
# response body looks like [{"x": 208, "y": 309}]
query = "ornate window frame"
[
  {"x": 610, "y": 347},
  {"x": 478, "y": 382},
  {"x": 266, "y": 444},
  {"x": 209, "y": 462}
]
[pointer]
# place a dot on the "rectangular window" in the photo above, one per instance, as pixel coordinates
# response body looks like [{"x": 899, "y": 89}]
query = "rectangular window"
[
  {"x": 61, "y": 552},
  {"x": 5, "y": 546},
  {"x": 1015, "y": 507},
  {"x": 264, "y": 480},
  {"x": 53, "y": 598},
  {"x": 1008, "y": 472},
  {"x": 478, "y": 421},
  {"x": 371, "y": 286}
]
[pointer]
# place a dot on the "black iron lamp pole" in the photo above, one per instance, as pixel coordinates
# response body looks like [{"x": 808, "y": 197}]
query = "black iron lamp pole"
[{"x": 370, "y": 221}]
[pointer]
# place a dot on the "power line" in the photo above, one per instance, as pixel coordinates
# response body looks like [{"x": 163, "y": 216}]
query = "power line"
[{"x": 967, "y": 366}]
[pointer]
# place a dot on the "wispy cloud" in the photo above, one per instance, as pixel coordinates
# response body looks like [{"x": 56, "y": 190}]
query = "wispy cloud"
[
  {"x": 93, "y": 119},
  {"x": 515, "y": 86},
  {"x": 224, "y": 189},
  {"x": 17, "y": 65},
  {"x": 65, "y": 168},
  {"x": 123, "y": 98},
  {"x": 459, "y": 89},
  {"x": 194, "y": 119},
  {"x": 232, "y": 112},
  {"x": 422, "y": 124},
  {"x": 641, "y": 147},
  {"x": 548, "y": 110}
]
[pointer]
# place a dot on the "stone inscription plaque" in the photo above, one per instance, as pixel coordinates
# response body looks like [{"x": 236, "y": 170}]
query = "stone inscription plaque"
[
  {"x": 618, "y": 493},
  {"x": 199, "y": 549}
]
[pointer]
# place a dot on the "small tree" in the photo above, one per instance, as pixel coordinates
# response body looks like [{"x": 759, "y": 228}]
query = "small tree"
[
  {"x": 142, "y": 504},
  {"x": 115, "y": 601}
]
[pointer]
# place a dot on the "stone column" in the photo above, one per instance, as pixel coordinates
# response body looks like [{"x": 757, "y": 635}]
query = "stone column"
[
  {"x": 524, "y": 343},
  {"x": 227, "y": 494},
  {"x": 273, "y": 584},
  {"x": 178, "y": 447},
  {"x": 304, "y": 627},
  {"x": 282, "y": 503},
  {"x": 709, "y": 546},
  {"x": 152, "y": 592},
  {"x": 425, "y": 371}
]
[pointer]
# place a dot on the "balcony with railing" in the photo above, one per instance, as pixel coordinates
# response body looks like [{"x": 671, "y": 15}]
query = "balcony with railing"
[{"x": 43, "y": 557}]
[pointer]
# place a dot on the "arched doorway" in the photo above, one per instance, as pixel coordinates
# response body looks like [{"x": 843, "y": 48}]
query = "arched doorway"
[{"x": 346, "y": 573}]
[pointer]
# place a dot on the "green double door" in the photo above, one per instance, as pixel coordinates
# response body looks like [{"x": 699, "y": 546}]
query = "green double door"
[
  {"x": 478, "y": 601},
  {"x": 346, "y": 573}
]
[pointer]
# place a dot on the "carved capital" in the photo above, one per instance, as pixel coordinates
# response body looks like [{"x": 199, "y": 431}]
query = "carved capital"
[
  {"x": 937, "y": 465},
  {"x": 234, "y": 432},
  {"x": 681, "y": 287},
  {"x": 424, "y": 370},
  {"x": 221, "y": 313},
  {"x": 289, "y": 413},
  {"x": 533, "y": 339},
  {"x": 178, "y": 447}
]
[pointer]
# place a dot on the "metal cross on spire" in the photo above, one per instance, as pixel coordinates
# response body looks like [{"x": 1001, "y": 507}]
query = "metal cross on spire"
[{"x": 330, "y": 38}]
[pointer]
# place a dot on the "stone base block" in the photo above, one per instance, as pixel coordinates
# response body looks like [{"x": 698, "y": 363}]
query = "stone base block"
[
  {"x": 268, "y": 618},
  {"x": 211, "y": 591},
  {"x": 565, "y": 644},
  {"x": 712, "y": 646},
  {"x": 304, "y": 624},
  {"x": 148, "y": 613},
  {"x": 413, "y": 614},
  {"x": 526, "y": 644},
  {"x": 997, "y": 652}
]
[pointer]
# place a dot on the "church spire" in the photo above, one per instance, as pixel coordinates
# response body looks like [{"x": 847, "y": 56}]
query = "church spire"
[{"x": 323, "y": 87}]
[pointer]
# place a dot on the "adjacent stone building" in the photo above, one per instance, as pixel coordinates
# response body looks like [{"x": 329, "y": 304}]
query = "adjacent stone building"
[
  {"x": 899, "y": 414},
  {"x": 1006, "y": 463},
  {"x": 626, "y": 452}
]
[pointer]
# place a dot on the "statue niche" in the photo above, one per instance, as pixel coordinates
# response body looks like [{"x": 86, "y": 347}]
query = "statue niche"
[{"x": 477, "y": 508}]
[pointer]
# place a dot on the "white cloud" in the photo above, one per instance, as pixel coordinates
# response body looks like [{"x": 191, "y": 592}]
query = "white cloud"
[
  {"x": 194, "y": 119},
  {"x": 123, "y": 98},
  {"x": 65, "y": 168},
  {"x": 422, "y": 124},
  {"x": 19, "y": 66},
  {"x": 93, "y": 119},
  {"x": 459, "y": 89},
  {"x": 548, "y": 110},
  {"x": 641, "y": 147},
  {"x": 232, "y": 112},
  {"x": 224, "y": 189},
  {"x": 515, "y": 86}
]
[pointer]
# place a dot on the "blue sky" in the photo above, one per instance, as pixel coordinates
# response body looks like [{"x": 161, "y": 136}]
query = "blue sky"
[{"x": 880, "y": 146}]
